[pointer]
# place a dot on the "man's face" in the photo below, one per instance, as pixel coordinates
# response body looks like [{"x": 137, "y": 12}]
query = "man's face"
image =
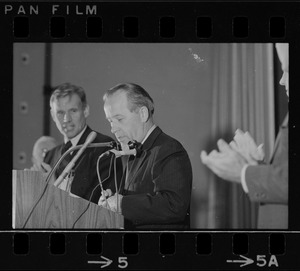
[
  {"x": 125, "y": 125},
  {"x": 69, "y": 115},
  {"x": 283, "y": 54}
]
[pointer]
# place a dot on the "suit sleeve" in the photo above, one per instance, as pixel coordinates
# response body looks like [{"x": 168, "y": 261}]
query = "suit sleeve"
[
  {"x": 269, "y": 183},
  {"x": 171, "y": 174}
]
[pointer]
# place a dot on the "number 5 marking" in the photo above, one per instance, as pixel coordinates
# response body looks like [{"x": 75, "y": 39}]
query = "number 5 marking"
[
  {"x": 261, "y": 258},
  {"x": 122, "y": 262}
]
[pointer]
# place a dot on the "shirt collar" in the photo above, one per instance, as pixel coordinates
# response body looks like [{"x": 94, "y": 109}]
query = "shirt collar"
[
  {"x": 148, "y": 133},
  {"x": 76, "y": 139}
]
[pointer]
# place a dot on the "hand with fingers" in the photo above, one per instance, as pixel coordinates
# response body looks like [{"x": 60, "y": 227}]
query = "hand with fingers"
[
  {"x": 110, "y": 200},
  {"x": 225, "y": 163},
  {"x": 245, "y": 145},
  {"x": 103, "y": 199}
]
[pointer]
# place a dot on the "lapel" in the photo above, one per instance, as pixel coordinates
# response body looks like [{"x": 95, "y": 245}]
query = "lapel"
[
  {"x": 284, "y": 125},
  {"x": 69, "y": 157},
  {"x": 57, "y": 155},
  {"x": 80, "y": 142},
  {"x": 139, "y": 159},
  {"x": 84, "y": 135}
]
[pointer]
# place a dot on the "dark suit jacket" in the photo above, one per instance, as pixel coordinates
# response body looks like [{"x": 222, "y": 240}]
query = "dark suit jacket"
[
  {"x": 85, "y": 178},
  {"x": 158, "y": 188},
  {"x": 268, "y": 184}
]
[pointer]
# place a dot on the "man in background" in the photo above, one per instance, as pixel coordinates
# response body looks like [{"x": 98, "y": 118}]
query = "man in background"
[
  {"x": 156, "y": 187},
  {"x": 69, "y": 111},
  {"x": 40, "y": 148},
  {"x": 242, "y": 162}
]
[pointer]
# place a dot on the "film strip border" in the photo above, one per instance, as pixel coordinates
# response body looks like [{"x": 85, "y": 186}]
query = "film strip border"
[
  {"x": 148, "y": 22},
  {"x": 192, "y": 250},
  {"x": 131, "y": 27},
  {"x": 155, "y": 22}
]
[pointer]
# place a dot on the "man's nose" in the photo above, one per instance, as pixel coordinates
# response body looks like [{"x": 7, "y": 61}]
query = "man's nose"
[
  {"x": 283, "y": 79},
  {"x": 67, "y": 117},
  {"x": 281, "y": 82},
  {"x": 114, "y": 128}
]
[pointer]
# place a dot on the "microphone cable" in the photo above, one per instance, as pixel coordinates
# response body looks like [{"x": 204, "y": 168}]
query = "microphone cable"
[
  {"x": 116, "y": 182},
  {"x": 99, "y": 184}
]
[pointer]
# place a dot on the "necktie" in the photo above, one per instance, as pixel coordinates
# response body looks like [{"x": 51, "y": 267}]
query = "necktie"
[
  {"x": 66, "y": 146},
  {"x": 66, "y": 160}
]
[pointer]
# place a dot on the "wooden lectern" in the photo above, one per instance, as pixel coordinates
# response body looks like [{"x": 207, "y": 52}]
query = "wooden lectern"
[{"x": 56, "y": 209}]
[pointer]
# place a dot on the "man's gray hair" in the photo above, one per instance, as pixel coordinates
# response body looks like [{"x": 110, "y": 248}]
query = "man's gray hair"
[{"x": 67, "y": 89}]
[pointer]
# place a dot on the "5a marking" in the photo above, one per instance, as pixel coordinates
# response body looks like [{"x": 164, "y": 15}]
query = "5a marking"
[{"x": 261, "y": 261}]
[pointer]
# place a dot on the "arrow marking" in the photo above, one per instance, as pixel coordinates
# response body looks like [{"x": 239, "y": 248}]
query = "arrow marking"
[
  {"x": 244, "y": 262},
  {"x": 105, "y": 263}
]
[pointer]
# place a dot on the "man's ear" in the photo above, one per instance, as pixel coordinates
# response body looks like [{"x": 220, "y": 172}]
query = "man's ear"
[
  {"x": 144, "y": 113},
  {"x": 86, "y": 111}
]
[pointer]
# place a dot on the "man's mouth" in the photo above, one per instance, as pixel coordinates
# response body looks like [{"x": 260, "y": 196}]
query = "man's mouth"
[
  {"x": 67, "y": 128},
  {"x": 119, "y": 138},
  {"x": 122, "y": 139}
]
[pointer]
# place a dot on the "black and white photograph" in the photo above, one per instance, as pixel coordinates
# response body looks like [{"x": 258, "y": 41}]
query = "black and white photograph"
[{"x": 150, "y": 136}]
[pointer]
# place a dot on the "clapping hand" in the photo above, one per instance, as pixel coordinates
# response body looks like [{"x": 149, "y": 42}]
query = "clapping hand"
[
  {"x": 228, "y": 162},
  {"x": 245, "y": 145},
  {"x": 225, "y": 163}
]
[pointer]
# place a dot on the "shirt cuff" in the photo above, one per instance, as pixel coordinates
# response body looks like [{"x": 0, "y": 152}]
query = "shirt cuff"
[{"x": 243, "y": 179}]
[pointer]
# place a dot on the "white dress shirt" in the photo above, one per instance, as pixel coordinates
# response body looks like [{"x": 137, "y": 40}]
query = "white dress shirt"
[{"x": 149, "y": 133}]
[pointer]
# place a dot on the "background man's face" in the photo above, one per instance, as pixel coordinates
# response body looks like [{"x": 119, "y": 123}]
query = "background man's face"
[
  {"x": 283, "y": 54},
  {"x": 69, "y": 115}
]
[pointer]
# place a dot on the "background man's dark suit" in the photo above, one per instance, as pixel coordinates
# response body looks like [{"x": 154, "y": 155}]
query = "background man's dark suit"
[
  {"x": 158, "y": 188},
  {"x": 85, "y": 178},
  {"x": 268, "y": 184}
]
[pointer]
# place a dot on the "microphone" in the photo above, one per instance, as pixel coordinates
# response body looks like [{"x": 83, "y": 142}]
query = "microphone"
[
  {"x": 68, "y": 168},
  {"x": 133, "y": 149},
  {"x": 133, "y": 145}
]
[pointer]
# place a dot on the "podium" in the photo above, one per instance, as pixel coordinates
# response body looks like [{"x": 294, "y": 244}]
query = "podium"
[{"x": 56, "y": 209}]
